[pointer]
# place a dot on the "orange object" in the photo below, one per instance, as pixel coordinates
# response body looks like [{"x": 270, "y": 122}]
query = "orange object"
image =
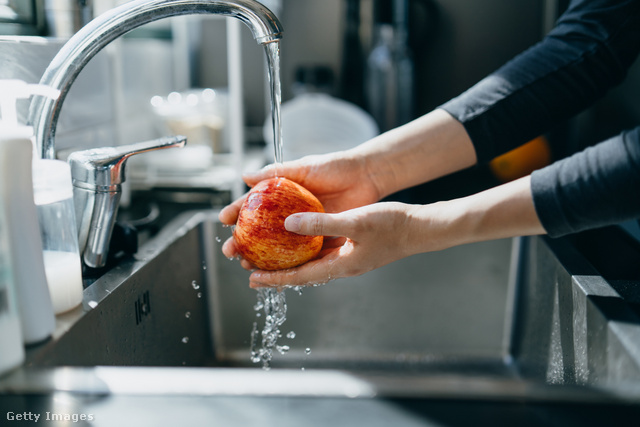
[{"x": 521, "y": 161}]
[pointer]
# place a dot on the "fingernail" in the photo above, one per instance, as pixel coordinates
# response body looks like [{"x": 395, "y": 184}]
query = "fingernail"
[{"x": 292, "y": 223}]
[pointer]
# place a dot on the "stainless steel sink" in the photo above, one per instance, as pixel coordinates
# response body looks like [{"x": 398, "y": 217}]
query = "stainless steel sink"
[
  {"x": 499, "y": 320},
  {"x": 180, "y": 302}
]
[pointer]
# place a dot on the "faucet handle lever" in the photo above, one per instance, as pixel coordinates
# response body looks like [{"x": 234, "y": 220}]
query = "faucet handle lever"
[
  {"x": 97, "y": 175},
  {"x": 104, "y": 167}
]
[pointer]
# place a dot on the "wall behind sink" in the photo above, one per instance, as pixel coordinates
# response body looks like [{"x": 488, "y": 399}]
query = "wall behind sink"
[{"x": 455, "y": 43}]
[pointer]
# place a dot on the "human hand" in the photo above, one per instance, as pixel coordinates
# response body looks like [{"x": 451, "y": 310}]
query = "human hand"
[
  {"x": 338, "y": 180},
  {"x": 361, "y": 240},
  {"x": 369, "y": 237}
]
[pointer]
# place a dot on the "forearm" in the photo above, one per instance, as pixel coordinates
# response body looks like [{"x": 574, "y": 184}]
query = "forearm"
[
  {"x": 429, "y": 147},
  {"x": 500, "y": 212}
]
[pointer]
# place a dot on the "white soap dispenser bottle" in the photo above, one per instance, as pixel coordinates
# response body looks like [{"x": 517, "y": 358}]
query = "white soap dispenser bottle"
[
  {"x": 12, "y": 351},
  {"x": 16, "y": 190}
]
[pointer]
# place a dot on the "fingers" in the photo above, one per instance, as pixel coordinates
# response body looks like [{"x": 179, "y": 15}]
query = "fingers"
[
  {"x": 311, "y": 273},
  {"x": 295, "y": 170},
  {"x": 229, "y": 214},
  {"x": 230, "y": 250},
  {"x": 252, "y": 178},
  {"x": 318, "y": 224}
]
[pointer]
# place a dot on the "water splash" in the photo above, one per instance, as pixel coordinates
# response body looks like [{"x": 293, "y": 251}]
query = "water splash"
[{"x": 274, "y": 306}]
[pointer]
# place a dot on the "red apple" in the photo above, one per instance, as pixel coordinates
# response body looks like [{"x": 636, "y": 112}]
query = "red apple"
[{"x": 260, "y": 235}]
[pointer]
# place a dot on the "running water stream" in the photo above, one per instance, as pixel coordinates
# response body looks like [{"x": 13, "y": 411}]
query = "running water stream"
[{"x": 271, "y": 302}]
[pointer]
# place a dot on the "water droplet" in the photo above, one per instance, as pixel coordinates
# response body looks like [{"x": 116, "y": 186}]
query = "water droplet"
[
  {"x": 187, "y": 314},
  {"x": 291, "y": 335},
  {"x": 185, "y": 340},
  {"x": 307, "y": 350},
  {"x": 302, "y": 369},
  {"x": 298, "y": 289},
  {"x": 92, "y": 304},
  {"x": 199, "y": 294},
  {"x": 218, "y": 239},
  {"x": 195, "y": 285},
  {"x": 282, "y": 349}
]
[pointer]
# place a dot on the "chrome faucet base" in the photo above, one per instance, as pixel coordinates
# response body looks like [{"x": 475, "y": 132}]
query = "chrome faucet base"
[{"x": 97, "y": 178}]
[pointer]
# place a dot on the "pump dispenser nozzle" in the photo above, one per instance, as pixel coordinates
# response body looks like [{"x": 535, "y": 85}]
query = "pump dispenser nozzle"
[{"x": 10, "y": 92}]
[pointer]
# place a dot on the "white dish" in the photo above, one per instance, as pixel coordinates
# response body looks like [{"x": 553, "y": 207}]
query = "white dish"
[{"x": 318, "y": 124}]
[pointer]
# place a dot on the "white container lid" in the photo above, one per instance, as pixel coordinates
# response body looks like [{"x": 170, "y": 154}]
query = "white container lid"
[{"x": 51, "y": 181}]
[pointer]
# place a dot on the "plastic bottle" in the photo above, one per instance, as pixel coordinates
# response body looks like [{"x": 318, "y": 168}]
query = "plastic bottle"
[
  {"x": 389, "y": 75},
  {"x": 12, "y": 353},
  {"x": 352, "y": 86},
  {"x": 16, "y": 192}
]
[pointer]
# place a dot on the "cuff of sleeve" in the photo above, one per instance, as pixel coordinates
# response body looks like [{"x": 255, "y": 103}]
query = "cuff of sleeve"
[
  {"x": 462, "y": 109},
  {"x": 547, "y": 204}
]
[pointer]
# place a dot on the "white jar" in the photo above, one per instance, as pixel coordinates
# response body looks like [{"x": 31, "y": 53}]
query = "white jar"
[{"x": 53, "y": 193}]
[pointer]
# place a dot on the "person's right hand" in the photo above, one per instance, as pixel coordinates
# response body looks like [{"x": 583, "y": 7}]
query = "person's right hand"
[{"x": 339, "y": 180}]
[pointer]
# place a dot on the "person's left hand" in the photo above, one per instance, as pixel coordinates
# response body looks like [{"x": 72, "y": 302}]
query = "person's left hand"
[{"x": 359, "y": 240}]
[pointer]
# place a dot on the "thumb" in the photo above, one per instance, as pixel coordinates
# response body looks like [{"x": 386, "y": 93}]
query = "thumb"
[
  {"x": 252, "y": 178},
  {"x": 316, "y": 224}
]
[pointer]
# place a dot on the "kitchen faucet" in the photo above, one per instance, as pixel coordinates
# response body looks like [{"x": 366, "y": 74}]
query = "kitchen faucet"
[{"x": 97, "y": 175}]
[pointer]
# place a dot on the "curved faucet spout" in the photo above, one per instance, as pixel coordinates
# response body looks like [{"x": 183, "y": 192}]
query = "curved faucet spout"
[{"x": 87, "y": 42}]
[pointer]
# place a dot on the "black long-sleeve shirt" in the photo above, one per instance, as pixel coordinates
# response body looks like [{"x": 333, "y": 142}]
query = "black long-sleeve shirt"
[{"x": 589, "y": 51}]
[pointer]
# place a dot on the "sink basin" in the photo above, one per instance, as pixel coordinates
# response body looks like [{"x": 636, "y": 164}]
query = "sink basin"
[
  {"x": 179, "y": 302},
  {"x": 505, "y": 321}
]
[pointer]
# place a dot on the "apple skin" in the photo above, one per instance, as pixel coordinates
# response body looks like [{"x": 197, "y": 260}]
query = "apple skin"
[{"x": 260, "y": 235}]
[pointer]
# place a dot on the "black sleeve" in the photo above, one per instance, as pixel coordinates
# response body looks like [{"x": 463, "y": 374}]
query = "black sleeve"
[
  {"x": 596, "y": 187},
  {"x": 589, "y": 51}
]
